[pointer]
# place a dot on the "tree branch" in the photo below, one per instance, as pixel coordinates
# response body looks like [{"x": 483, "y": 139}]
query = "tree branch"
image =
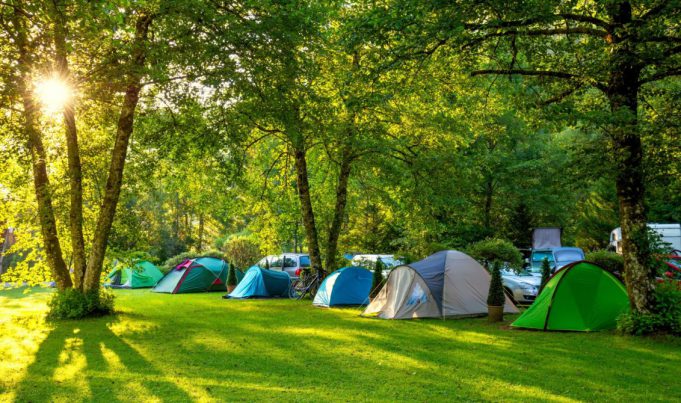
[
  {"x": 541, "y": 32},
  {"x": 541, "y": 73},
  {"x": 531, "y": 21},
  {"x": 523, "y": 72},
  {"x": 656, "y": 10},
  {"x": 661, "y": 75}
]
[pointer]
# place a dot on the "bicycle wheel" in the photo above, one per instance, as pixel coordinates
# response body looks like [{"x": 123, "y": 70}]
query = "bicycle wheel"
[
  {"x": 297, "y": 289},
  {"x": 314, "y": 287}
]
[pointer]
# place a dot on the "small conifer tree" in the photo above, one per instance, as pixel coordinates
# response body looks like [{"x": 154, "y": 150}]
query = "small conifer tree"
[
  {"x": 378, "y": 277},
  {"x": 231, "y": 275},
  {"x": 545, "y": 272},
  {"x": 496, "y": 297}
]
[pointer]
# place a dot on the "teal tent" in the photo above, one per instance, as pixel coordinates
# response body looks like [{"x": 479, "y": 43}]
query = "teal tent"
[
  {"x": 142, "y": 275},
  {"x": 195, "y": 275},
  {"x": 262, "y": 283},
  {"x": 346, "y": 286}
]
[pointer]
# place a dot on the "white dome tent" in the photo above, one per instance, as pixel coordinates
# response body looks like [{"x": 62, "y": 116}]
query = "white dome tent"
[{"x": 445, "y": 284}]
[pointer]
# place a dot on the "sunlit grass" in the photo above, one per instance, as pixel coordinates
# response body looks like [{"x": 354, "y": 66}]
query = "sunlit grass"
[{"x": 203, "y": 348}]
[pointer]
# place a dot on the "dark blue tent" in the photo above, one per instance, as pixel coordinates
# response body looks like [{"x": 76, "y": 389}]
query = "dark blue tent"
[
  {"x": 346, "y": 286},
  {"x": 262, "y": 283}
]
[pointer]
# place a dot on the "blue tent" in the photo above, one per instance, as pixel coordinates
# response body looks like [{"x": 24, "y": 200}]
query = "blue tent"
[
  {"x": 262, "y": 283},
  {"x": 346, "y": 286}
]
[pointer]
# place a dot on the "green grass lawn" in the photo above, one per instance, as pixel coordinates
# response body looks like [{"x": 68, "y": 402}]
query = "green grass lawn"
[{"x": 200, "y": 347}]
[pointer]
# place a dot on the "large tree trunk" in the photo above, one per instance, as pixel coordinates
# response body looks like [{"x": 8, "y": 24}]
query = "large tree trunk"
[
  {"x": 73, "y": 153},
  {"x": 120, "y": 150},
  {"x": 306, "y": 206},
  {"x": 41, "y": 180},
  {"x": 339, "y": 209},
  {"x": 623, "y": 96}
]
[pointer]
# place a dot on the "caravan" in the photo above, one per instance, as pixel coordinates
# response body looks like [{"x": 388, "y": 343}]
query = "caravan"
[{"x": 669, "y": 233}]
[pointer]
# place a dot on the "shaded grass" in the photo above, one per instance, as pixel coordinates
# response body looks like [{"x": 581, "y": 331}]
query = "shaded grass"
[{"x": 199, "y": 347}]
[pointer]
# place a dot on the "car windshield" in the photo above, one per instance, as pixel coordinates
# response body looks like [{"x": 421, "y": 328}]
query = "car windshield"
[
  {"x": 304, "y": 261},
  {"x": 538, "y": 257},
  {"x": 568, "y": 256}
]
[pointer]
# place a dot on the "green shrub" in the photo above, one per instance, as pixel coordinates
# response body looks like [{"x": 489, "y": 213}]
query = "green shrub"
[
  {"x": 241, "y": 250},
  {"x": 666, "y": 317},
  {"x": 377, "y": 278},
  {"x": 231, "y": 275},
  {"x": 545, "y": 272},
  {"x": 177, "y": 259},
  {"x": 74, "y": 304},
  {"x": 610, "y": 261},
  {"x": 496, "y": 297},
  {"x": 496, "y": 250}
]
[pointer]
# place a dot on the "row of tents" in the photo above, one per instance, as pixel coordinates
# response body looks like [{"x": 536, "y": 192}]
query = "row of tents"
[{"x": 580, "y": 297}]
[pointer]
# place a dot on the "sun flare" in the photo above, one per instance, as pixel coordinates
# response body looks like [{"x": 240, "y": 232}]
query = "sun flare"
[{"x": 53, "y": 94}]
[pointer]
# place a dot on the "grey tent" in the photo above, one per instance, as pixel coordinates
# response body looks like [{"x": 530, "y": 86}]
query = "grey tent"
[
  {"x": 445, "y": 284},
  {"x": 546, "y": 237}
]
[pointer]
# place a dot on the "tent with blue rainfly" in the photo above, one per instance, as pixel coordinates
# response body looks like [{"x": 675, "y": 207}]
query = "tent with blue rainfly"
[
  {"x": 143, "y": 274},
  {"x": 195, "y": 275},
  {"x": 262, "y": 283},
  {"x": 346, "y": 286}
]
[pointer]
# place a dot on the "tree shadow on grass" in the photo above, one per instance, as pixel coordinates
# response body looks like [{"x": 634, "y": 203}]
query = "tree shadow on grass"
[{"x": 85, "y": 360}]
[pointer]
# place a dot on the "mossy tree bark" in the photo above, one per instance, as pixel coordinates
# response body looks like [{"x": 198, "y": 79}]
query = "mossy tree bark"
[
  {"x": 123, "y": 134},
  {"x": 73, "y": 151},
  {"x": 41, "y": 180}
]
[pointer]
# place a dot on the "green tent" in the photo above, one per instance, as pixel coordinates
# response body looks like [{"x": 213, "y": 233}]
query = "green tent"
[
  {"x": 143, "y": 274},
  {"x": 582, "y": 296},
  {"x": 195, "y": 275}
]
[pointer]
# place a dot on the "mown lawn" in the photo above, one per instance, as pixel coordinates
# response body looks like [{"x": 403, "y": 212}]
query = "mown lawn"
[{"x": 203, "y": 348}]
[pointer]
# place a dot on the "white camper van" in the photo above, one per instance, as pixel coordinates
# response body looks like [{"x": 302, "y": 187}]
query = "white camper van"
[{"x": 670, "y": 233}]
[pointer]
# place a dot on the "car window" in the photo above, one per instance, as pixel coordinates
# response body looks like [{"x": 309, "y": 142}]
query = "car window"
[
  {"x": 304, "y": 261},
  {"x": 568, "y": 256},
  {"x": 289, "y": 262},
  {"x": 275, "y": 262}
]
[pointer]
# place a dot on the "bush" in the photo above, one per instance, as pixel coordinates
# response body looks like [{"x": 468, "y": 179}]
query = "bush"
[
  {"x": 496, "y": 250},
  {"x": 496, "y": 297},
  {"x": 231, "y": 275},
  {"x": 241, "y": 251},
  {"x": 666, "y": 317},
  {"x": 545, "y": 272},
  {"x": 74, "y": 304},
  {"x": 610, "y": 261},
  {"x": 175, "y": 260},
  {"x": 377, "y": 278}
]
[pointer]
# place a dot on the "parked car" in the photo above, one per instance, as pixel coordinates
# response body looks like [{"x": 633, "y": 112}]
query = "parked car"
[
  {"x": 672, "y": 269},
  {"x": 267, "y": 261},
  {"x": 557, "y": 257},
  {"x": 369, "y": 261},
  {"x": 290, "y": 263},
  {"x": 521, "y": 286}
]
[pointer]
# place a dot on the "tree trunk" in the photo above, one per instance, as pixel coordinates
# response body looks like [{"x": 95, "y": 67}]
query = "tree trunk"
[
  {"x": 41, "y": 181},
  {"x": 120, "y": 150},
  {"x": 306, "y": 206},
  {"x": 623, "y": 96},
  {"x": 487, "y": 212},
  {"x": 339, "y": 210},
  {"x": 200, "y": 247},
  {"x": 73, "y": 153}
]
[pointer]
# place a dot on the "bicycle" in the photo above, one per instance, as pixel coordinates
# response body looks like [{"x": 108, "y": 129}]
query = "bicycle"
[{"x": 308, "y": 282}]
